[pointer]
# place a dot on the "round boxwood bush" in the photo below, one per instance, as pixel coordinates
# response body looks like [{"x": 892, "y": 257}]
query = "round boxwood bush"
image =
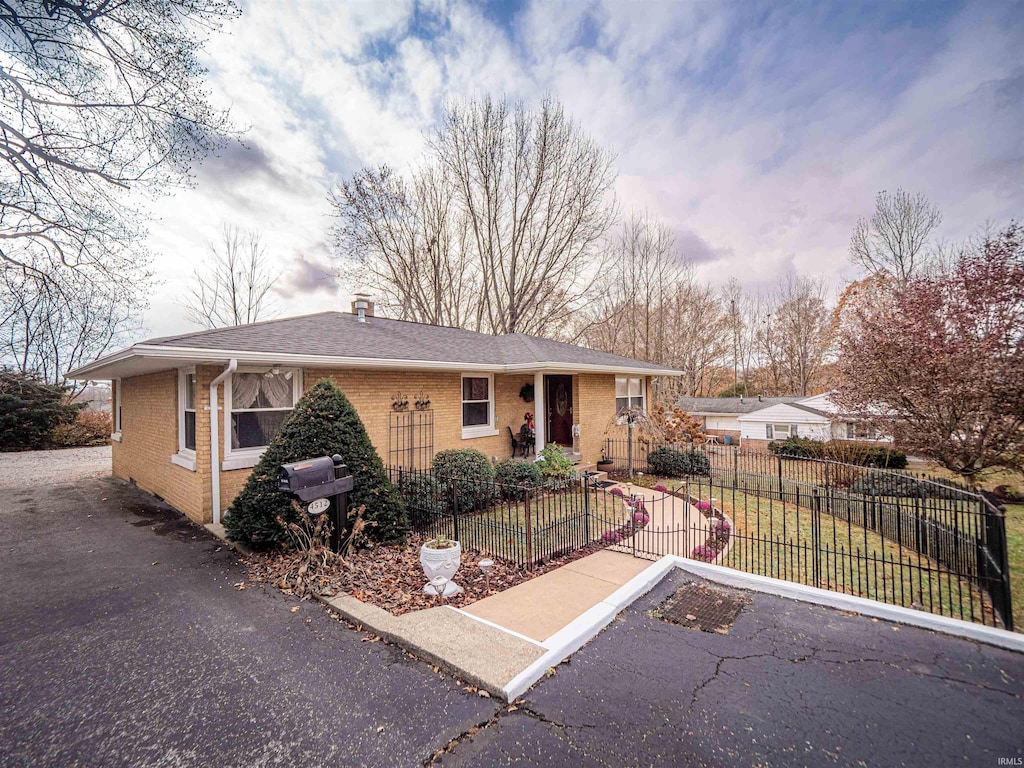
[
  {"x": 515, "y": 476},
  {"x": 424, "y": 499},
  {"x": 471, "y": 474},
  {"x": 667, "y": 461}
]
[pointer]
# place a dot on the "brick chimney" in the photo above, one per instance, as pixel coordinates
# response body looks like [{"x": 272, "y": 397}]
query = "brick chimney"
[{"x": 362, "y": 306}]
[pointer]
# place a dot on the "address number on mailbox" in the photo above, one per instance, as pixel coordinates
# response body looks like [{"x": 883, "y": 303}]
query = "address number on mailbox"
[{"x": 318, "y": 506}]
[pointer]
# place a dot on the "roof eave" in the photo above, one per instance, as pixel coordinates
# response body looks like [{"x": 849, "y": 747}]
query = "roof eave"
[{"x": 330, "y": 361}]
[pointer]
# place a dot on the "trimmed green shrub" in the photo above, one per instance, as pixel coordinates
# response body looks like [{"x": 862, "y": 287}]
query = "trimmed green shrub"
[
  {"x": 798, "y": 448},
  {"x": 472, "y": 474},
  {"x": 423, "y": 497},
  {"x": 904, "y": 486},
  {"x": 848, "y": 452},
  {"x": 515, "y": 476},
  {"x": 323, "y": 423},
  {"x": 555, "y": 467},
  {"x": 667, "y": 461},
  {"x": 30, "y": 411}
]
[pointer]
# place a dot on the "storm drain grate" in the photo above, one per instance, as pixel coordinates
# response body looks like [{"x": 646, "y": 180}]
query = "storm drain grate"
[{"x": 697, "y": 606}]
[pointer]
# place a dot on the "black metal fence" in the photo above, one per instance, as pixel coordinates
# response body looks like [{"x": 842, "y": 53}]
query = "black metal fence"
[
  {"x": 949, "y": 529},
  {"x": 526, "y": 525}
]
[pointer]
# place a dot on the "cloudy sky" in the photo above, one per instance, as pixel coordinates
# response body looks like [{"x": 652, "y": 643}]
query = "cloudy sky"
[{"x": 759, "y": 131}]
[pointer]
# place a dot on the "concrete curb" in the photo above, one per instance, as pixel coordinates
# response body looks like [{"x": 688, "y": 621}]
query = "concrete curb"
[{"x": 378, "y": 625}]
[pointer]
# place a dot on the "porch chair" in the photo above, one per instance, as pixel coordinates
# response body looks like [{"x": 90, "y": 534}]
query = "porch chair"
[{"x": 518, "y": 442}]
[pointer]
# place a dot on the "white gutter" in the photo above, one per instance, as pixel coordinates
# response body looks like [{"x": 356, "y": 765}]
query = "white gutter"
[
  {"x": 200, "y": 355},
  {"x": 215, "y": 439}
]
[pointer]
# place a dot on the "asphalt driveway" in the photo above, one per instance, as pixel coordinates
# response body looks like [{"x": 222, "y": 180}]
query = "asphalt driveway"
[
  {"x": 124, "y": 641},
  {"x": 791, "y": 685}
]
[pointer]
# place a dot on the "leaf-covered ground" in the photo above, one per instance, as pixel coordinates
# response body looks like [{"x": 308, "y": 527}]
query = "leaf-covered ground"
[{"x": 391, "y": 576}]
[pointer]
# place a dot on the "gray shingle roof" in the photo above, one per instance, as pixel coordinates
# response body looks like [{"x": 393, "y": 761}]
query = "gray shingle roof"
[
  {"x": 730, "y": 405},
  {"x": 340, "y": 334}
]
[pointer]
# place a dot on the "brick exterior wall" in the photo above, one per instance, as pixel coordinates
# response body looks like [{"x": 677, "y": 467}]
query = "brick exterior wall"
[
  {"x": 150, "y": 424},
  {"x": 149, "y": 437}
]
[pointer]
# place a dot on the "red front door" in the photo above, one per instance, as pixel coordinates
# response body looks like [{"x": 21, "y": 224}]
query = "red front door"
[{"x": 558, "y": 404}]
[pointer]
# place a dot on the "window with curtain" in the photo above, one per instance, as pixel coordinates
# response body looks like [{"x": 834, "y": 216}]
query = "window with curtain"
[
  {"x": 188, "y": 403},
  {"x": 629, "y": 393},
  {"x": 476, "y": 401},
  {"x": 260, "y": 403}
]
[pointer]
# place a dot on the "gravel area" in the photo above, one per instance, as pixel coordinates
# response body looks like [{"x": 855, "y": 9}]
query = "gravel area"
[{"x": 69, "y": 465}]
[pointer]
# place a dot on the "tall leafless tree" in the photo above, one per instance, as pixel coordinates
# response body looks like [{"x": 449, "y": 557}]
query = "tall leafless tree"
[
  {"x": 794, "y": 338},
  {"x": 233, "y": 287},
  {"x": 408, "y": 243},
  {"x": 46, "y": 330},
  {"x": 499, "y": 233},
  {"x": 894, "y": 240},
  {"x": 97, "y": 98}
]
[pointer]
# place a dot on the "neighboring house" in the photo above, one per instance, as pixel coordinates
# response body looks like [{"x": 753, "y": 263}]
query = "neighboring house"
[
  {"x": 165, "y": 441},
  {"x": 95, "y": 398},
  {"x": 720, "y": 415},
  {"x": 755, "y": 422}
]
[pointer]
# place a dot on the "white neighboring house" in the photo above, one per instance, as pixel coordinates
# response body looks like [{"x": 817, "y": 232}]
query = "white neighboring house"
[
  {"x": 754, "y": 422},
  {"x": 815, "y": 417}
]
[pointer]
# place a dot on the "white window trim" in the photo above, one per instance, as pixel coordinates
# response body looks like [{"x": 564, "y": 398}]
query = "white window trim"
[
  {"x": 621, "y": 420},
  {"x": 246, "y": 458},
  {"x": 116, "y": 434},
  {"x": 185, "y": 457},
  {"x": 481, "y": 430}
]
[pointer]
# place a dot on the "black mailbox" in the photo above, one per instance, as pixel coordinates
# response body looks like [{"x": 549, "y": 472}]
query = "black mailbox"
[
  {"x": 322, "y": 484},
  {"x": 315, "y": 478}
]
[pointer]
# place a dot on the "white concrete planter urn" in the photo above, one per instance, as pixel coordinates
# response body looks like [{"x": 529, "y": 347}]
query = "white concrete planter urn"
[{"x": 441, "y": 557}]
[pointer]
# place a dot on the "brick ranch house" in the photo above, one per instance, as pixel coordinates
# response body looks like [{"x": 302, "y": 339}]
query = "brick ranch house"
[{"x": 165, "y": 441}]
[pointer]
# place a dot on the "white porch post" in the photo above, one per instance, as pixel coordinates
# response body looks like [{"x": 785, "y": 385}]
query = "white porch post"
[{"x": 540, "y": 415}]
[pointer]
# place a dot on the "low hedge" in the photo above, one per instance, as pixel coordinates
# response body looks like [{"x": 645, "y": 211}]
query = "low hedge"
[
  {"x": 667, "y": 461},
  {"x": 471, "y": 473},
  {"x": 902, "y": 486},
  {"x": 515, "y": 476},
  {"x": 880, "y": 456}
]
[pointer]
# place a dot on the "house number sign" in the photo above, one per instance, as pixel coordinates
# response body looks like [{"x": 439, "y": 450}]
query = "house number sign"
[{"x": 318, "y": 506}]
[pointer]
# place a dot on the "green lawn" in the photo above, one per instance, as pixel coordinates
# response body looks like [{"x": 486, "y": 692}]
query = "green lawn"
[
  {"x": 776, "y": 539},
  {"x": 1015, "y": 548}
]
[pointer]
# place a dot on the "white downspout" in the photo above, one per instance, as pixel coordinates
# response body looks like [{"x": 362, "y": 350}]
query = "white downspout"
[
  {"x": 215, "y": 439},
  {"x": 540, "y": 418}
]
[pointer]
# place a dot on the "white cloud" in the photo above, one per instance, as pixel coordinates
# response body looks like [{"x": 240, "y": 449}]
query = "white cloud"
[{"x": 759, "y": 135}]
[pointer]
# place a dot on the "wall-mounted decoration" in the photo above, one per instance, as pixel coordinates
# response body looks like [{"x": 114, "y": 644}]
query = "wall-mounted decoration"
[
  {"x": 422, "y": 401},
  {"x": 526, "y": 393},
  {"x": 399, "y": 401}
]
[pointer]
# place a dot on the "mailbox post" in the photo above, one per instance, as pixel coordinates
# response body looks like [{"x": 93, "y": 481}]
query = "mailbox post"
[{"x": 321, "y": 485}]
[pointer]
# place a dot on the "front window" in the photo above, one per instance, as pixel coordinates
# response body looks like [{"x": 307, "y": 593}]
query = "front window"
[
  {"x": 476, "y": 401},
  {"x": 629, "y": 393},
  {"x": 117, "y": 406},
  {"x": 780, "y": 431},
  {"x": 260, "y": 403}
]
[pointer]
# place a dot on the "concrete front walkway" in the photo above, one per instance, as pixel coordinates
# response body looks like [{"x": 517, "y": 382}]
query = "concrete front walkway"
[{"x": 540, "y": 607}]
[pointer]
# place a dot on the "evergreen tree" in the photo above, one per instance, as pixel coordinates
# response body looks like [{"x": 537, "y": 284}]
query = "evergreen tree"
[
  {"x": 322, "y": 424},
  {"x": 30, "y": 410}
]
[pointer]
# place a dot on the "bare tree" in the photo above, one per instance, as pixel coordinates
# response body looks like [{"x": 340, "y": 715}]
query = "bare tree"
[
  {"x": 408, "y": 243},
  {"x": 97, "y": 98},
  {"x": 894, "y": 239},
  {"x": 643, "y": 267},
  {"x": 500, "y": 230},
  {"x": 234, "y": 287},
  {"x": 47, "y": 330},
  {"x": 794, "y": 338}
]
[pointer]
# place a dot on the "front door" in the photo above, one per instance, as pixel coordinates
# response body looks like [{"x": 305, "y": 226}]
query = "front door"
[{"x": 558, "y": 403}]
